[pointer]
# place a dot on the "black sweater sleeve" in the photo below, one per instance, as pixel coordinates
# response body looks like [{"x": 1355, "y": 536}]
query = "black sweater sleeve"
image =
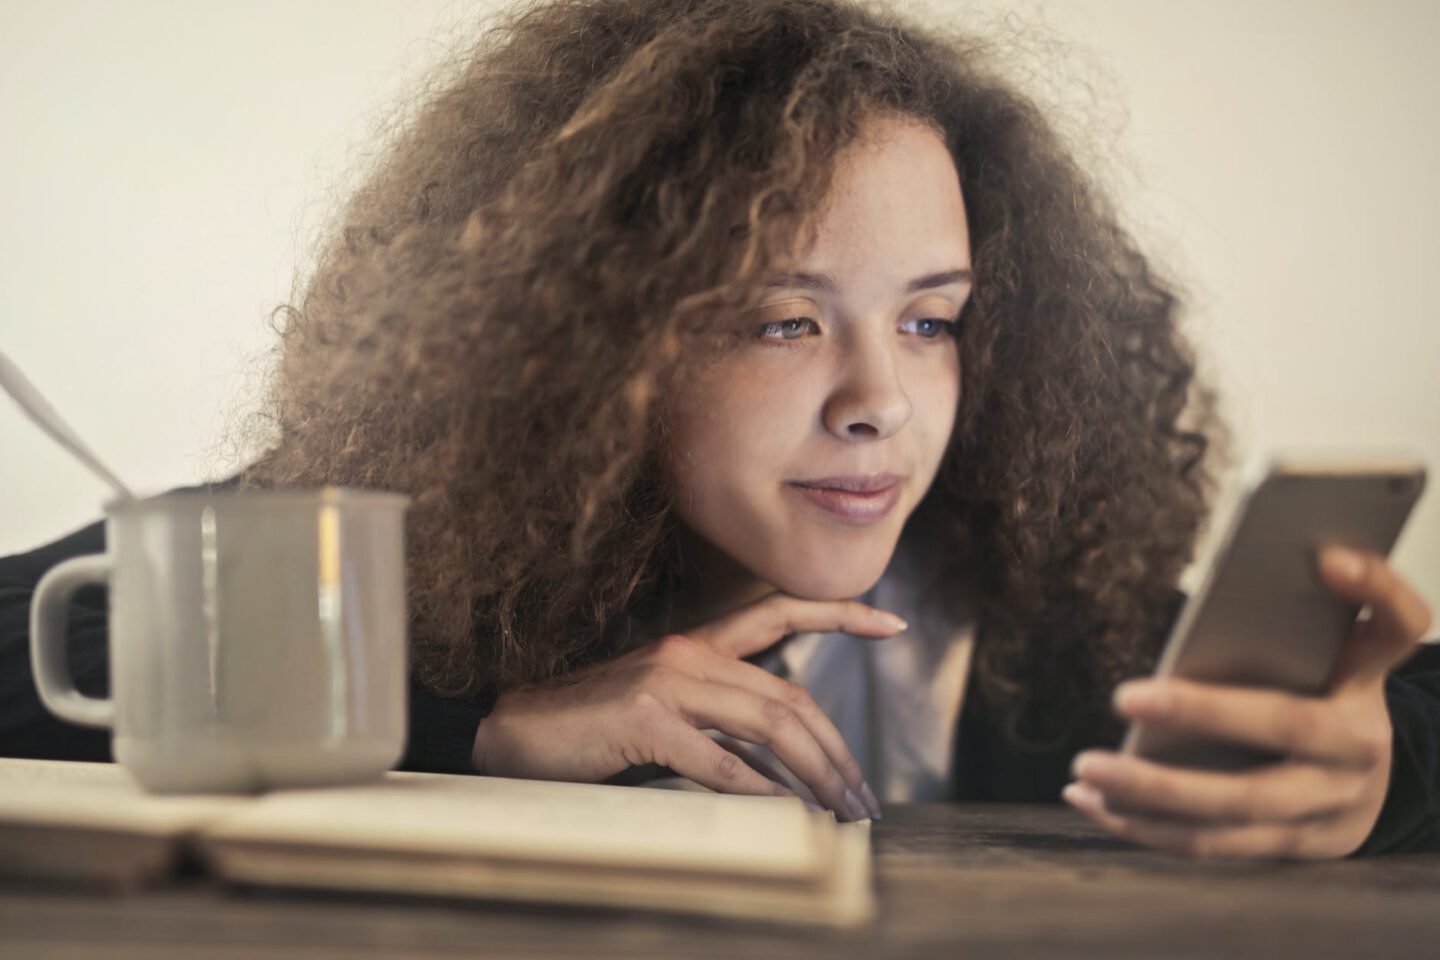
[
  {"x": 1410, "y": 820},
  {"x": 442, "y": 731},
  {"x": 440, "y": 734},
  {"x": 27, "y": 728}
]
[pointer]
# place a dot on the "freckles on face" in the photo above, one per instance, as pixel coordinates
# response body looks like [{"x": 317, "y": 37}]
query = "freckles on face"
[{"x": 803, "y": 447}]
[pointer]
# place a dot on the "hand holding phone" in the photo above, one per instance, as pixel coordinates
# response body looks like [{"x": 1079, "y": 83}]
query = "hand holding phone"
[
  {"x": 1262, "y": 616},
  {"x": 1267, "y": 663}
]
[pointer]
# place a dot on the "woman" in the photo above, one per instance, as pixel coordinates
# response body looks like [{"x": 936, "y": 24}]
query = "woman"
[{"x": 684, "y": 323}]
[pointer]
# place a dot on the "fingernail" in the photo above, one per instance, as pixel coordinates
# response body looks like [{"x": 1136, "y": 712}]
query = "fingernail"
[
  {"x": 1343, "y": 563},
  {"x": 1138, "y": 695},
  {"x": 1082, "y": 794},
  {"x": 812, "y": 806},
  {"x": 871, "y": 802},
  {"x": 894, "y": 622},
  {"x": 1091, "y": 764},
  {"x": 854, "y": 808}
]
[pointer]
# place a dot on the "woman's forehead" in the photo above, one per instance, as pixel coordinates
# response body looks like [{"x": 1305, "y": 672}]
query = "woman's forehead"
[{"x": 895, "y": 214}]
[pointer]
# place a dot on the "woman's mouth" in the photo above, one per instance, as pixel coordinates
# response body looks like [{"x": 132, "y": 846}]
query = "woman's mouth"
[{"x": 855, "y": 499}]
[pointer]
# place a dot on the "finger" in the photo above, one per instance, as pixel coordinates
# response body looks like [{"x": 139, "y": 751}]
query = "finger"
[
  {"x": 1276, "y": 792},
  {"x": 1399, "y": 617},
  {"x": 737, "y": 673},
  {"x": 1365, "y": 658},
  {"x": 761, "y": 624},
  {"x": 679, "y": 746},
  {"x": 752, "y": 760},
  {"x": 769, "y": 723},
  {"x": 1296, "y": 726},
  {"x": 1201, "y": 841},
  {"x": 696, "y": 658}
]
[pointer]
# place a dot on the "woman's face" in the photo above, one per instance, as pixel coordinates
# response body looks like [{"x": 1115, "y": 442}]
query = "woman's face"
[{"x": 802, "y": 449}]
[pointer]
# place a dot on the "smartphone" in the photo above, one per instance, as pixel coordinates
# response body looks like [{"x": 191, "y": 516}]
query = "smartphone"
[{"x": 1261, "y": 617}]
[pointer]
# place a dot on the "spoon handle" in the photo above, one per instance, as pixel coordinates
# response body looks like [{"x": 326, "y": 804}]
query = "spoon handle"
[{"x": 38, "y": 408}]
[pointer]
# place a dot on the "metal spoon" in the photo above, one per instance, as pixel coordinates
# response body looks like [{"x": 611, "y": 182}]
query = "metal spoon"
[{"x": 38, "y": 408}]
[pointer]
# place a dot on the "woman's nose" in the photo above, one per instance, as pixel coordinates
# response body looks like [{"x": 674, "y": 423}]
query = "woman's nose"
[{"x": 868, "y": 401}]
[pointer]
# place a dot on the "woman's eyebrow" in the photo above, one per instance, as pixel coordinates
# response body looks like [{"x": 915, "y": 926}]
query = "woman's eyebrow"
[{"x": 821, "y": 281}]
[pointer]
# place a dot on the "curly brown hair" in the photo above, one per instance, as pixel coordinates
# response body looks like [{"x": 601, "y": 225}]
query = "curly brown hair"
[{"x": 497, "y": 315}]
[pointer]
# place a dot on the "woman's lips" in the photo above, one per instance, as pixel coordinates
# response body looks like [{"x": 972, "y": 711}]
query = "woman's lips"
[{"x": 855, "y": 500}]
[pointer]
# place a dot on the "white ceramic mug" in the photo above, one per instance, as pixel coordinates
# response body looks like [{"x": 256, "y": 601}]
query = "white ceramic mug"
[{"x": 256, "y": 639}]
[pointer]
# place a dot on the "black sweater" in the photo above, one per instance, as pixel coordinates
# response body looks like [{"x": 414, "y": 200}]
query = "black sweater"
[{"x": 442, "y": 731}]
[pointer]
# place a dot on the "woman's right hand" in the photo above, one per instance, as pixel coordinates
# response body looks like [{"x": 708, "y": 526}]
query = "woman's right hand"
[{"x": 651, "y": 704}]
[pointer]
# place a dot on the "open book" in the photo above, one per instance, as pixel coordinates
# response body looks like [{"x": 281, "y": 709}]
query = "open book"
[{"x": 451, "y": 835}]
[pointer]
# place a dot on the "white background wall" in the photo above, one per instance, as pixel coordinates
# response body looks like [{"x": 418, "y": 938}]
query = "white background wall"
[{"x": 166, "y": 164}]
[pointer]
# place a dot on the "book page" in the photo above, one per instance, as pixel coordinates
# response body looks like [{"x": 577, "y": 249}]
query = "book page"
[
  {"x": 101, "y": 796},
  {"x": 531, "y": 819},
  {"x": 838, "y": 893}
]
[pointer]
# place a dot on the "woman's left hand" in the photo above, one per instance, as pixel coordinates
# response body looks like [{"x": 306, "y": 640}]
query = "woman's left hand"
[{"x": 1322, "y": 800}]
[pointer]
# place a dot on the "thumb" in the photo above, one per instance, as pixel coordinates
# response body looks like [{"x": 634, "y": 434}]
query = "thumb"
[
  {"x": 1365, "y": 658},
  {"x": 1397, "y": 622}
]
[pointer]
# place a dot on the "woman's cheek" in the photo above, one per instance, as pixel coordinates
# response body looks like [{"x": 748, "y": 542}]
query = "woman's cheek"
[
  {"x": 729, "y": 424},
  {"x": 935, "y": 397}
]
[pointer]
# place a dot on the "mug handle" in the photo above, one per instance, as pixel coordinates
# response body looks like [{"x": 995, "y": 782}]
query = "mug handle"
[{"x": 49, "y": 625}]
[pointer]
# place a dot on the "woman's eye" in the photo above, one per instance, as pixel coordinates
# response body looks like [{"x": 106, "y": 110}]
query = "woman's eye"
[
  {"x": 792, "y": 329},
  {"x": 931, "y": 327}
]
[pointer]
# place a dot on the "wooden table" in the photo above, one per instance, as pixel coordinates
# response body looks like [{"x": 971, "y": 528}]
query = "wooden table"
[{"x": 991, "y": 880}]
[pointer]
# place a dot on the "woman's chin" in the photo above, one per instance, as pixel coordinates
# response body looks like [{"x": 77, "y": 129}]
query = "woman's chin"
[
  {"x": 821, "y": 569},
  {"x": 832, "y": 583}
]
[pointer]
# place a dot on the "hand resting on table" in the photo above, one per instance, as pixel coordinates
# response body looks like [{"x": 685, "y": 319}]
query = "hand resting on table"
[{"x": 650, "y": 705}]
